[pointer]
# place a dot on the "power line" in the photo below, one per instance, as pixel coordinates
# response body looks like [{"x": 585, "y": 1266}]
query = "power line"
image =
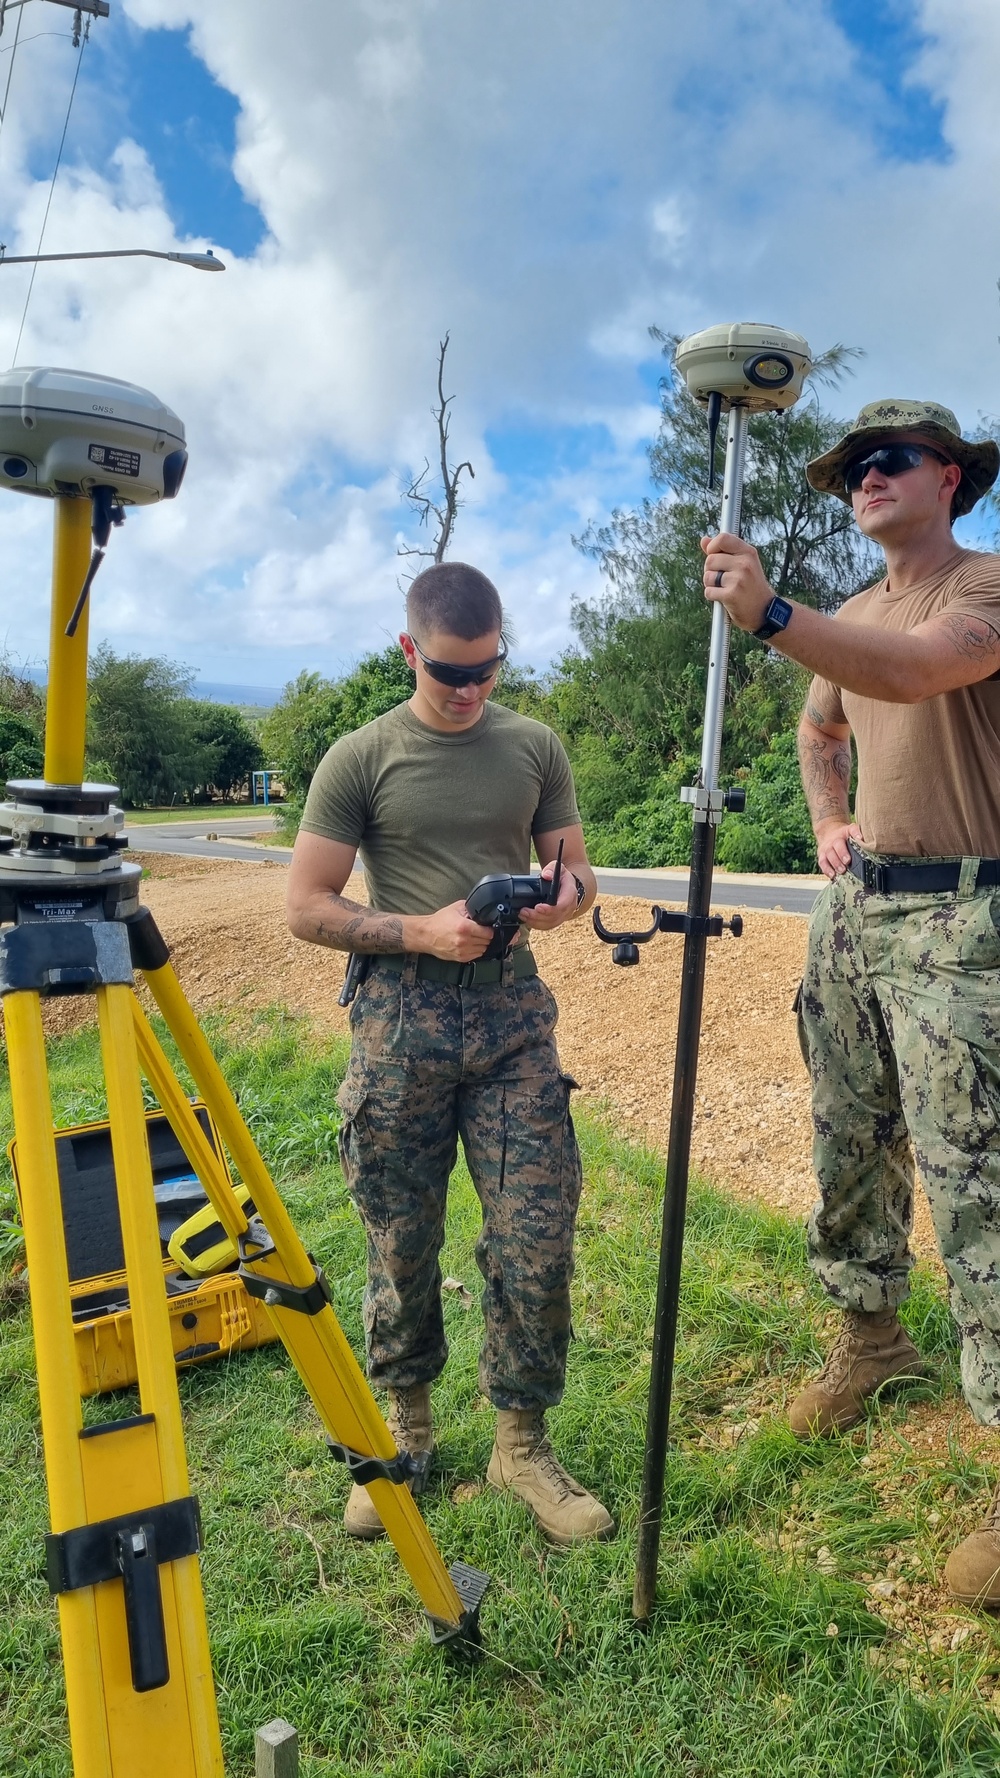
[
  {"x": 10, "y": 70},
  {"x": 55, "y": 175}
]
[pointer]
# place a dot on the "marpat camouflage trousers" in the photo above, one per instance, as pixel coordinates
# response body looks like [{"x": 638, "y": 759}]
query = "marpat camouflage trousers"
[
  {"x": 429, "y": 1064},
  {"x": 900, "y": 1026}
]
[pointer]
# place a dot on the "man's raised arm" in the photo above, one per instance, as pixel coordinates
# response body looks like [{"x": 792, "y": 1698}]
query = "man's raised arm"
[{"x": 825, "y": 762}]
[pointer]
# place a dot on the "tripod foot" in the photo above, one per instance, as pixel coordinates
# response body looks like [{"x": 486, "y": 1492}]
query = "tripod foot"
[{"x": 463, "y": 1640}]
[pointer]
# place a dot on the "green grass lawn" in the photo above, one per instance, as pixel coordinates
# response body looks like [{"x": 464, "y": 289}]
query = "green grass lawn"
[
  {"x": 198, "y": 812},
  {"x": 761, "y": 1662}
]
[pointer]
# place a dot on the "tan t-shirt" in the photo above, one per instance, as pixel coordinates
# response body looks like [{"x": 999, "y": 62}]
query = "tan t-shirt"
[
  {"x": 928, "y": 773},
  {"x": 432, "y": 813}
]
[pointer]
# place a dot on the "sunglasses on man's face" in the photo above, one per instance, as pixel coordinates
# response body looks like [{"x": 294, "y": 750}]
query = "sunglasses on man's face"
[
  {"x": 448, "y": 674},
  {"x": 888, "y": 460}
]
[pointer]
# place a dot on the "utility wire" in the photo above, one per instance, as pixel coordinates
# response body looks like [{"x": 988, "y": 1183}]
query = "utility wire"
[
  {"x": 48, "y": 205},
  {"x": 10, "y": 70}
]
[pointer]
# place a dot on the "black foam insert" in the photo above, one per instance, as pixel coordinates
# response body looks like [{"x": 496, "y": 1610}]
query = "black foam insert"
[{"x": 90, "y": 1197}]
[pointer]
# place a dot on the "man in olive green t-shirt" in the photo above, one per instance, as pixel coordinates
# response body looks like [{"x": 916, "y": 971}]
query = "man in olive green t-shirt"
[
  {"x": 900, "y": 1003},
  {"x": 443, "y": 790}
]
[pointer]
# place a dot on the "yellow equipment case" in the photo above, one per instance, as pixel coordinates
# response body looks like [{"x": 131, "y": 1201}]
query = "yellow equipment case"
[{"x": 209, "y": 1316}]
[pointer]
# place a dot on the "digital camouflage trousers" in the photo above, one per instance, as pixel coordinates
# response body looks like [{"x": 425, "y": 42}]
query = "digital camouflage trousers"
[
  {"x": 900, "y": 1025},
  {"x": 431, "y": 1063}
]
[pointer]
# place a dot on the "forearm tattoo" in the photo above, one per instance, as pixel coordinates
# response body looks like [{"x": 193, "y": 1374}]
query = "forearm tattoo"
[
  {"x": 363, "y": 930},
  {"x": 973, "y": 638},
  {"x": 825, "y": 763}
]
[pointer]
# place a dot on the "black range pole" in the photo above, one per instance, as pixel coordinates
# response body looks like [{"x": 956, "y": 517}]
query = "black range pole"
[{"x": 708, "y": 802}]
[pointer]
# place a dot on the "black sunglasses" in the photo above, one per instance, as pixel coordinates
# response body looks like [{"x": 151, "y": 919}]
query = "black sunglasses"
[
  {"x": 447, "y": 674},
  {"x": 888, "y": 460}
]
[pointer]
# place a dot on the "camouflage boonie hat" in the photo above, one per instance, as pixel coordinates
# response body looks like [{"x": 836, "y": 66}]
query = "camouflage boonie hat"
[{"x": 881, "y": 420}]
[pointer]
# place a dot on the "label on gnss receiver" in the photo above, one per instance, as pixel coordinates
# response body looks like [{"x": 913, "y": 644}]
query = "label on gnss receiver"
[{"x": 118, "y": 462}]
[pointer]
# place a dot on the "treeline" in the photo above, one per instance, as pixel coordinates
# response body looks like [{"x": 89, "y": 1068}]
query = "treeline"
[
  {"x": 145, "y": 733},
  {"x": 628, "y": 698}
]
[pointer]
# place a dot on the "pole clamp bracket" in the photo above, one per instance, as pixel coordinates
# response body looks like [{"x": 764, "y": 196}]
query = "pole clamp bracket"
[
  {"x": 711, "y": 805},
  {"x": 405, "y": 1467}
]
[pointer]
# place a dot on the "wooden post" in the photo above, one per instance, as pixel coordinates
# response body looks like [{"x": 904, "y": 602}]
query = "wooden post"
[{"x": 277, "y": 1751}]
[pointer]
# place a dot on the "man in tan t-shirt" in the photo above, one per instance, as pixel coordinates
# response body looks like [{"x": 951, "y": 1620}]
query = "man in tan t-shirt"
[
  {"x": 900, "y": 1004},
  {"x": 447, "y": 1043}
]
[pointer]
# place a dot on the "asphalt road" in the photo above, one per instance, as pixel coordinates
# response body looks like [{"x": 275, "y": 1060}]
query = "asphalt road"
[{"x": 790, "y": 895}]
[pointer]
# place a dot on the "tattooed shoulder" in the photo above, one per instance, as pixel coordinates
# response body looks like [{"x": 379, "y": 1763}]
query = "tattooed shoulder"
[{"x": 972, "y": 637}]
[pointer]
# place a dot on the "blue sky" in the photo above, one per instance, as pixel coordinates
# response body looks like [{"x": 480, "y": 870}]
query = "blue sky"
[{"x": 545, "y": 183}]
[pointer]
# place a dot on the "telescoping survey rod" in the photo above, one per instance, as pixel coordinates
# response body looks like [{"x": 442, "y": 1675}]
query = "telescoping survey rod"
[{"x": 745, "y": 368}]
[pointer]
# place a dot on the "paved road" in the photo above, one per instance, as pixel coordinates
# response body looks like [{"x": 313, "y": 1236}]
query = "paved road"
[{"x": 790, "y": 895}]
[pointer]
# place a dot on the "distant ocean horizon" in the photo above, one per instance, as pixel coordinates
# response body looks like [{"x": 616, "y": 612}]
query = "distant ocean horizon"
[{"x": 213, "y": 691}]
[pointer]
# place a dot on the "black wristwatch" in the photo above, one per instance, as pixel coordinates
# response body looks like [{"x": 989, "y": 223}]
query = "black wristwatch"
[
  {"x": 776, "y": 618},
  {"x": 581, "y": 892}
]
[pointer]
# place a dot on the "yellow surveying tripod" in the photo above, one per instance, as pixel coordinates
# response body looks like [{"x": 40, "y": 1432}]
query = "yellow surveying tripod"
[{"x": 122, "y": 1556}]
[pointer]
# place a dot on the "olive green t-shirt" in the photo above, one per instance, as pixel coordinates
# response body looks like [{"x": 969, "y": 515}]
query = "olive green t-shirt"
[
  {"x": 928, "y": 773},
  {"x": 431, "y": 813}
]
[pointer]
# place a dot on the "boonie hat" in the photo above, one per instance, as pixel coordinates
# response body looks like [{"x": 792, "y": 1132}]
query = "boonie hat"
[{"x": 881, "y": 420}]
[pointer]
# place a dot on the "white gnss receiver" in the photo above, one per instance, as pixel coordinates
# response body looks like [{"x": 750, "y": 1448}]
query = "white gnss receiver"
[{"x": 70, "y": 432}]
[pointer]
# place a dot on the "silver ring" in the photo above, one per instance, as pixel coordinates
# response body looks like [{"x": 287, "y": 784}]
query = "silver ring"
[{"x": 718, "y": 578}]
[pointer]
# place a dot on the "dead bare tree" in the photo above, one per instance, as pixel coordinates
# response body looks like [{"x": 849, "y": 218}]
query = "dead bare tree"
[{"x": 444, "y": 507}]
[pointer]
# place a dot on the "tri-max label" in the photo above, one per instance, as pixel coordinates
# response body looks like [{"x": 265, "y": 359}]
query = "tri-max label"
[{"x": 111, "y": 458}]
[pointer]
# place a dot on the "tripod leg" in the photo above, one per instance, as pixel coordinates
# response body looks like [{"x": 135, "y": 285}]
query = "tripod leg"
[
  {"x": 313, "y": 1338},
  {"x": 58, "y": 1388},
  {"x": 157, "y": 1456}
]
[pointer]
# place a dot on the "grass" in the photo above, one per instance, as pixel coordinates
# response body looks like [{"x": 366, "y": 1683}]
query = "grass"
[
  {"x": 764, "y": 1659},
  {"x": 198, "y": 812}
]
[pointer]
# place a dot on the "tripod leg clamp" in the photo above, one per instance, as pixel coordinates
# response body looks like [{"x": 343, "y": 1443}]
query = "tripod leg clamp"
[
  {"x": 274, "y": 1293},
  {"x": 131, "y": 1549},
  {"x": 405, "y": 1467}
]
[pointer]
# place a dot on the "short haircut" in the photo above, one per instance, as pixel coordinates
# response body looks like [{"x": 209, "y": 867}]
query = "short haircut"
[{"x": 452, "y": 599}]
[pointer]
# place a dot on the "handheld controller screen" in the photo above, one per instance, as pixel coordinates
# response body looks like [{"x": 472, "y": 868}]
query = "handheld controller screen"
[{"x": 499, "y": 901}]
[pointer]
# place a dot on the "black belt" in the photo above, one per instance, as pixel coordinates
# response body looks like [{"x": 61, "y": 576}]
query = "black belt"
[
  {"x": 916, "y": 878},
  {"x": 482, "y": 974}
]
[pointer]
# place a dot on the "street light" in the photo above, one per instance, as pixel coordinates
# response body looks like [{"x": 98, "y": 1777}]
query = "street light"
[{"x": 202, "y": 262}]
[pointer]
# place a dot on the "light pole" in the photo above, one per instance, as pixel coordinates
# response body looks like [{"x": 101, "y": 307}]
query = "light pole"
[{"x": 201, "y": 262}]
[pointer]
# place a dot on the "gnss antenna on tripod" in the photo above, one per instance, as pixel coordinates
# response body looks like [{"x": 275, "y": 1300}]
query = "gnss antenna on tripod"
[
  {"x": 740, "y": 370},
  {"x": 122, "y": 1556}
]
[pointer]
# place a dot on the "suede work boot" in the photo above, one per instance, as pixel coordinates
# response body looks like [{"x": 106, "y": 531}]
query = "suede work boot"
[
  {"x": 524, "y": 1463},
  {"x": 972, "y": 1571},
  {"x": 868, "y": 1351},
  {"x": 409, "y": 1421}
]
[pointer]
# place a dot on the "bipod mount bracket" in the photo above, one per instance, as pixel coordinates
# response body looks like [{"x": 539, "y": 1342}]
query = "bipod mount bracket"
[{"x": 626, "y": 951}]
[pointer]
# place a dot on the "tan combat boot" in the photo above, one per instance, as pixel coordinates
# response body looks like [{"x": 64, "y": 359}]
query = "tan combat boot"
[
  {"x": 409, "y": 1421},
  {"x": 972, "y": 1571},
  {"x": 868, "y": 1351},
  {"x": 524, "y": 1463}
]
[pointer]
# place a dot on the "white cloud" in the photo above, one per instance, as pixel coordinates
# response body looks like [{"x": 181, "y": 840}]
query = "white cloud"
[{"x": 545, "y": 182}]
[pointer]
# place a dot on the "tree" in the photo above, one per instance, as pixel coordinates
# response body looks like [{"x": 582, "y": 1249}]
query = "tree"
[
  {"x": 139, "y": 733},
  {"x": 22, "y": 724},
  {"x": 227, "y": 747},
  {"x": 446, "y": 504},
  {"x": 20, "y": 748},
  {"x": 629, "y": 699}
]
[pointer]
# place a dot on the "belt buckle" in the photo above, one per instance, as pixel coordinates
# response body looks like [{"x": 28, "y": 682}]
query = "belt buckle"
[
  {"x": 467, "y": 975},
  {"x": 875, "y": 876}
]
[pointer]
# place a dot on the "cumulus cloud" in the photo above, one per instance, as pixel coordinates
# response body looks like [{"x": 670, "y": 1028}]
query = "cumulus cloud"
[{"x": 545, "y": 182}]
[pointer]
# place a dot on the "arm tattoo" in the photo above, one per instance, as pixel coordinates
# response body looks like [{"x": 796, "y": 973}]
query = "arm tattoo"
[
  {"x": 973, "y": 638},
  {"x": 826, "y": 776},
  {"x": 814, "y": 714},
  {"x": 365, "y": 930}
]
